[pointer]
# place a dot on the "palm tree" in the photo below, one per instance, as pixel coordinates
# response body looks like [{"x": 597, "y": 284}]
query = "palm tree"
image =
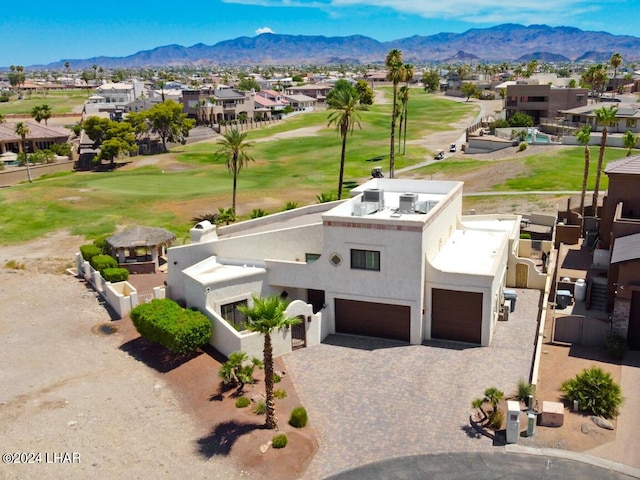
[
  {"x": 234, "y": 146},
  {"x": 584, "y": 135},
  {"x": 605, "y": 116},
  {"x": 346, "y": 103},
  {"x": 41, "y": 112},
  {"x": 266, "y": 316},
  {"x": 22, "y": 130},
  {"x": 629, "y": 139},
  {"x": 615, "y": 61},
  {"x": 395, "y": 74}
]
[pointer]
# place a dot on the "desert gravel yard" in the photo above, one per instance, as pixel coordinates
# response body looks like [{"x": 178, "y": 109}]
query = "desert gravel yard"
[{"x": 67, "y": 388}]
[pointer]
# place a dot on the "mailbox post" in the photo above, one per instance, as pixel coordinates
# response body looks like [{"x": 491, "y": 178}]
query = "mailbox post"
[{"x": 513, "y": 421}]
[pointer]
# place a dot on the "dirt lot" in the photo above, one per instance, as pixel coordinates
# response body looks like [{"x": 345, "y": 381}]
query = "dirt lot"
[{"x": 117, "y": 401}]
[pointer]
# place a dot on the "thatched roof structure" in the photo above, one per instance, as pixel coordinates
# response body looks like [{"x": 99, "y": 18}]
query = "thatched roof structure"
[{"x": 140, "y": 237}]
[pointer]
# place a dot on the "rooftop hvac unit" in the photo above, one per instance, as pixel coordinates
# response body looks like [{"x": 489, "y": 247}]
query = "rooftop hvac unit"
[
  {"x": 374, "y": 195},
  {"x": 408, "y": 202},
  {"x": 425, "y": 206}
]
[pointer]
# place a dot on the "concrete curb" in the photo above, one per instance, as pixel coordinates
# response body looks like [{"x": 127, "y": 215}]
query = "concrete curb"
[{"x": 576, "y": 456}]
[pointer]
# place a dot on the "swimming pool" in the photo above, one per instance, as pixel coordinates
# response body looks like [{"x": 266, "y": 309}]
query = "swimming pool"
[{"x": 539, "y": 138}]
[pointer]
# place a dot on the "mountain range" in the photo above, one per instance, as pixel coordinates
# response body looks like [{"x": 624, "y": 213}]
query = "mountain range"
[{"x": 506, "y": 42}]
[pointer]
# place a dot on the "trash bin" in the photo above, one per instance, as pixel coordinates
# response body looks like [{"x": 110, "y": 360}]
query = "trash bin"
[
  {"x": 580, "y": 290},
  {"x": 510, "y": 295},
  {"x": 563, "y": 299}
]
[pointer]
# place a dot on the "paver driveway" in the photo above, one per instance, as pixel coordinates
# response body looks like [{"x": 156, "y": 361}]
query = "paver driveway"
[{"x": 371, "y": 399}]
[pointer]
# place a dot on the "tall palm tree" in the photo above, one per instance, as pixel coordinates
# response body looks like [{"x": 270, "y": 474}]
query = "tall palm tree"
[
  {"x": 584, "y": 136},
  {"x": 629, "y": 139},
  {"x": 345, "y": 104},
  {"x": 408, "y": 77},
  {"x": 615, "y": 61},
  {"x": 235, "y": 147},
  {"x": 22, "y": 130},
  {"x": 395, "y": 74},
  {"x": 403, "y": 97},
  {"x": 267, "y": 315},
  {"x": 605, "y": 116},
  {"x": 41, "y": 112}
]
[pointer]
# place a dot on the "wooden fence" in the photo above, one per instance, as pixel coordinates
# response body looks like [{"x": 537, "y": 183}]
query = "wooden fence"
[{"x": 580, "y": 330}]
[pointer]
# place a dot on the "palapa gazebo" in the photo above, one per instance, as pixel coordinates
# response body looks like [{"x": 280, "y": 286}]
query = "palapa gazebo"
[{"x": 138, "y": 248}]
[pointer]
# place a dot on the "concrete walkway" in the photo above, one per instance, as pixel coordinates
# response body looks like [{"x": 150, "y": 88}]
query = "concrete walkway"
[{"x": 624, "y": 448}]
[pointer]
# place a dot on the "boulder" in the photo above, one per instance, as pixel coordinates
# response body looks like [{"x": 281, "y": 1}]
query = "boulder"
[
  {"x": 602, "y": 422},
  {"x": 589, "y": 429}
]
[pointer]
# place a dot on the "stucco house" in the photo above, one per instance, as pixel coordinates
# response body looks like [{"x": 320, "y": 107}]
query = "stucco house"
[{"x": 397, "y": 260}]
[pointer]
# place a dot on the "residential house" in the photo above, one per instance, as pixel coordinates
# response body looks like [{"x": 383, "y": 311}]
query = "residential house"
[
  {"x": 620, "y": 235},
  {"x": 397, "y": 261},
  {"x": 113, "y": 99},
  {"x": 542, "y": 101},
  {"x": 301, "y": 103},
  {"x": 317, "y": 91},
  {"x": 627, "y": 117},
  {"x": 40, "y": 137},
  {"x": 218, "y": 105}
]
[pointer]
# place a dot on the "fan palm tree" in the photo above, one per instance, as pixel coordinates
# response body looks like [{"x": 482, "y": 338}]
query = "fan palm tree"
[
  {"x": 41, "y": 112},
  {"x": 395, "y": 74},
  {"x": 267, "y": 315},
  {"x": 345, "y": 104},
  {"x": 235, "y": 147},
  {"x": 584, "y": 136},
  {"x": 22, "y": 130},
  {"x": 605, "y": 116},
  {"x": 615, "y": 61},
  {"x": 629, "y": 139}
]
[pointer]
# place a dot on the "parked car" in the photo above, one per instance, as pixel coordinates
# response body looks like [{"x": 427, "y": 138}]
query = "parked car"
[
  {"x": 452, "y": 148},
  {"x": 439, "y": 155}
]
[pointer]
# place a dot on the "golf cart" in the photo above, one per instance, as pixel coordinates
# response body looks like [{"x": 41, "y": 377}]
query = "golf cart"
[
  {"x": 452, "y": 148},
  {"x": 376, "y": 172},
  {"x": 439, "y": 155}
]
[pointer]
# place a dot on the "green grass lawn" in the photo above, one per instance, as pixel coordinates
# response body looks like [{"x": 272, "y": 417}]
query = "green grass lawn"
[
  {"x": 91, "y": 204},
  {"x": 60, "y": 101}
]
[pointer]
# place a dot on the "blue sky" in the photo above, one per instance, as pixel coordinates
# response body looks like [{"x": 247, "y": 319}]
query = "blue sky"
[{"x": 40, "y": 32}]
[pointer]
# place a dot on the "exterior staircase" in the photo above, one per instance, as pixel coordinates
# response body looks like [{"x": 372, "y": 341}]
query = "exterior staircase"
[{"x": 598, "y": 296}]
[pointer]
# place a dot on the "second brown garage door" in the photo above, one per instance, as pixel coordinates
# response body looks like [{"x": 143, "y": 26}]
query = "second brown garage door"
[
  {"x": 456, "y": 315},
  {"x": 373, "y": 319}
]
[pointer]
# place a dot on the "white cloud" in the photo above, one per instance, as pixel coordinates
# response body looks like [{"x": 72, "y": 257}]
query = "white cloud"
[
  {"x": 470, "y": 11},
  {"x": 262, "y": 30}
]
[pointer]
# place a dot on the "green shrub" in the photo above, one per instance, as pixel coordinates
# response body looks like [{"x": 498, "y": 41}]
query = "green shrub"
[
  {"x": 290, "y": 206},
  {"x": 257, "y": 213},
  {"x": 279, "y": 441},
  {"x": 327, "y": 197},
  {"x": 298, "y": 418},
  {"x": 102, "y": 262},
  {"x": 238, "y": 370},
  {"x": 101, "y": 243},
  {"x": 243, "y": 402},
  {"x": 115, "y": 274},
  {"x": 616, "y": 346},
  {"x": 595, "y": 391},
  {"x": 523, "y": 390},
  {"x": 89, "y": 251},
  {"x": 276, "y": 378},
  {"x": 165, "y": 322},
  {"x": 61, "y": 149},
  {"x": 260, "y": 408},
  {"x": 522, "y": 147},
  {"x": 495, "y": 419},
  {"x": 280, "y": 394}
]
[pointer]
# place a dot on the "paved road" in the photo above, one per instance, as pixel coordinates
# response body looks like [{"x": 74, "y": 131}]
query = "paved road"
[
  {"x": 486, "y": 466},
  {"x": 373, "y": 399}
]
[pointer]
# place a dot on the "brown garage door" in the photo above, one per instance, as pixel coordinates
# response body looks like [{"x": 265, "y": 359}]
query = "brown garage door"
[
  {"x": 373, "y": 319},
  {"x": 456, "y": 315}
]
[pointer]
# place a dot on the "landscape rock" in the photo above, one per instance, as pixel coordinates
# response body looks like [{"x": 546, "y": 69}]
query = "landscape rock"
[
  {"x": 589, "y": 429},
  {"x": 602, "y": 422}
]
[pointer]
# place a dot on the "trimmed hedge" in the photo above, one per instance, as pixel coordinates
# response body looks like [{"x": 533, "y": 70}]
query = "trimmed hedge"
[
  {"x": 101, "y": 243},
  {"x": 102, "y": 262},
  {"x": 165, "y": 322},
  {"x": 115, "y": 274},
  {"x": 279, "y": 441},
  {"x": 298, "y": 418},
  {"x": 89, "y": 251}
]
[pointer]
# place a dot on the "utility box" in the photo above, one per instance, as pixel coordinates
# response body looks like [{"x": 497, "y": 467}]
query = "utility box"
[
  {"x": 531, "y": 421},
  {"x": 552, "y": 414},
  {"x": 513, "y": 421},
  {"x": 511, "y": 295},
  {"x": 563, "y": 299}
]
